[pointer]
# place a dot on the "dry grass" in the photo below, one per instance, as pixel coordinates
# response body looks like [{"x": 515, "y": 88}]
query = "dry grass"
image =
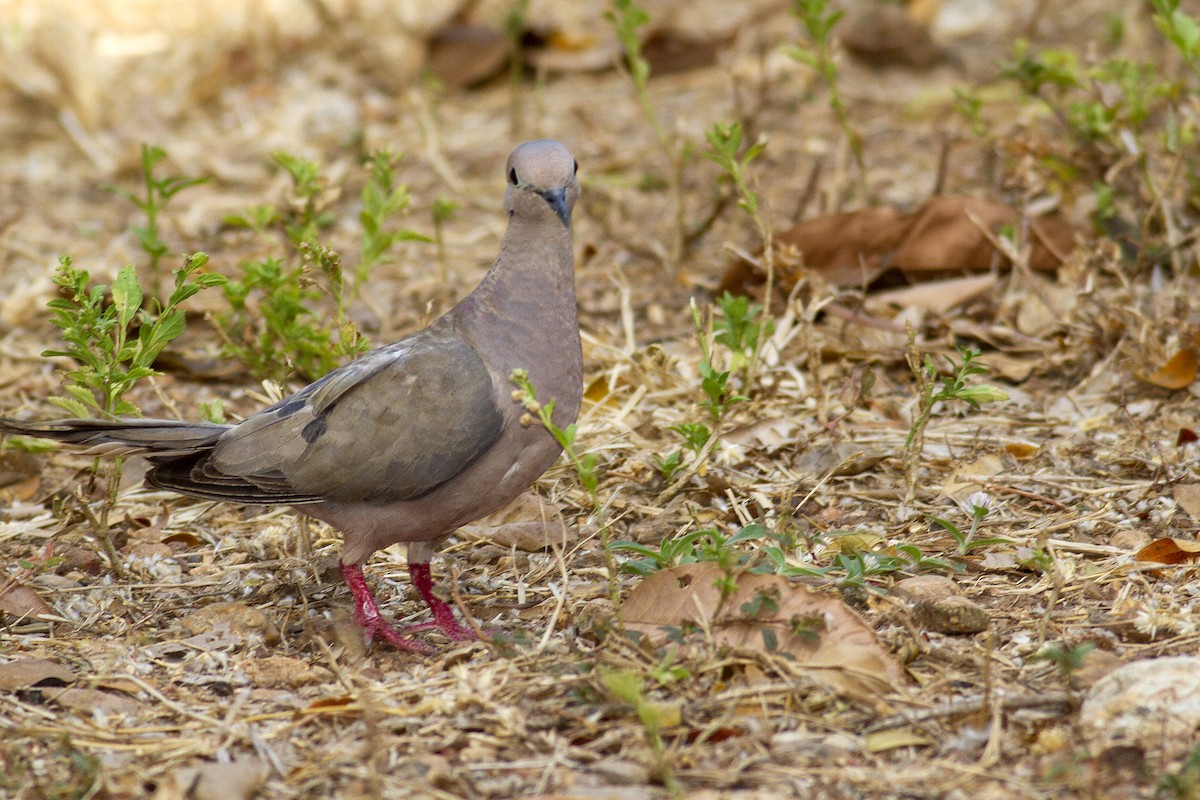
[{"x": 167, "y": 676}]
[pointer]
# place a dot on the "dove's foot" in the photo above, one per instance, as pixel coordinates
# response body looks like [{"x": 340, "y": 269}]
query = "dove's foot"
[
  {"x": 366, "y": 613},
  {"x": 443, "y": 614}
]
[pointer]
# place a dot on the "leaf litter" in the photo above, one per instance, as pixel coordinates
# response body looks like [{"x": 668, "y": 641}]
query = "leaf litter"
[{"x": 229, "y": 642}]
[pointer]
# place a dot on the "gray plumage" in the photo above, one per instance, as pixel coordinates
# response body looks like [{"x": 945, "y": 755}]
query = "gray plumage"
[{"x": 420, "y": 436}]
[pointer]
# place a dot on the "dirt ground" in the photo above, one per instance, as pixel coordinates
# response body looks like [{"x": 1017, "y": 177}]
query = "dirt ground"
[{"x": 218, "y": 658}]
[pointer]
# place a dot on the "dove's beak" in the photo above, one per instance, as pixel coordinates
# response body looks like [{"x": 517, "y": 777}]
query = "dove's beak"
[{"x": 557, "y": 198}]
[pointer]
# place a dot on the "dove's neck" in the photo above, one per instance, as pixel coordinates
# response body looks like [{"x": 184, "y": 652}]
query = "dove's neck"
[{"x": 523, "y": 313}]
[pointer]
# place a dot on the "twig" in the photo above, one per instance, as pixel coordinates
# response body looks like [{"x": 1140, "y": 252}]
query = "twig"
[{"x": 973, "y": 705}]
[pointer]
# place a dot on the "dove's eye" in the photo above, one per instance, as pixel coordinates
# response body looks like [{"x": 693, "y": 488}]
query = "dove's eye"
[
  {"x": 575, "y": 168},
  {"x": 512, "y": 175}
]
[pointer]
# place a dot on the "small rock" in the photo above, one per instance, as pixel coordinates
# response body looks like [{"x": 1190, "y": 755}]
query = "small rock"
[
  {"x": 282, "y": 672},
  {"x": 1131, "y": 540},
  {"x": 816, "y": 747},
  {"x": 956, "y": 615},
  {"x": 1152, "y": 705},
  {"x": 926, "y": 587},
  {"x": 622, "y": 772},
  {"x": 238, "y": 618},
  {"x": 236, "y": 780}
]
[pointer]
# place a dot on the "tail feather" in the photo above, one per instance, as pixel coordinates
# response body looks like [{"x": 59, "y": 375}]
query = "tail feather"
[{"x": 154, "y": 438}]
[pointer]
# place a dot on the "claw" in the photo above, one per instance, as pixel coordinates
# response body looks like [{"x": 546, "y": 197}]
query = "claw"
[{"x": 374, "y": 626}]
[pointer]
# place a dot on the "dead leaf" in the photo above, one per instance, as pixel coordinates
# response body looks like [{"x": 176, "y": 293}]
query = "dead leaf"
[
  {"x": 769, "y": 613},
  {"x": 1021, "y": 451},
  {"x": 769, "y": 433},
  {"x": 895, "y": 738},
  {"x": 964, "y": 481},
  {"x": 88, "y": 701},
  {"x": 17, "y": 466},
  {"x": 343, "y": 705},
  {"x": 463, "y": 55},
  {"x": 937, "y": 296},
  {"x": 19, "y": 600},
  {"x": 942, "y": 237},
  {"x": 1187, "y": 495},
  {"x": 25, "y": 673},
  {"x": 1177, "y": 373},
  {"x": 1170, "y": 551},
  {"x": 185, "y": 538},
  {"x": 1186, "y": 436}
]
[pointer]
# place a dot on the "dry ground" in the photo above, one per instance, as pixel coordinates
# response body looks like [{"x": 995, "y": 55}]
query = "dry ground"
[{"x": 221, "y": 659}]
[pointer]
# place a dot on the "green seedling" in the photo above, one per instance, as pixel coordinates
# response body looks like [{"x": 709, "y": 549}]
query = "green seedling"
[
  {"x": 718, "y": 396},
  {"x": 741, "y": 328},
  {"x": 441, "y": 211},
  {"x": 306, "y": 215},
  {"x": 158, "y": 193},
  {"x": 382, "y": 201},
  {"x": 114, "y": 342},
  {"x": 819, "y": 23},
  {"x": 514, "y": 31},
  {"x": 630, "y": 688},
  {"x": 1067, "y": 660},
  {"x": 627, "y": 19},
  {"x": 1181, "y": 30},
  {"x": 957, "y": 385},
  {"x": 111, "y": 338},
  {"x": 978, "y": 506},
  {"x": 585, "y": 465}
]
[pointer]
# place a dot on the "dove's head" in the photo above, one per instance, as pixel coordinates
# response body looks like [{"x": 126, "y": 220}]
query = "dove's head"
[{"x": 541, "y": 180}]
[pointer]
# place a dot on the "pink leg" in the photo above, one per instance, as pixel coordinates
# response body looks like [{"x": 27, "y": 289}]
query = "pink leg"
[
  {"x": 443, "y": 614},
  {"x": 366, "y": 613}
]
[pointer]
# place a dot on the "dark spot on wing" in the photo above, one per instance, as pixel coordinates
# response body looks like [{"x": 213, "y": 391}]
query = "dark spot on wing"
[
  {"x": 290, "y": 406},
  {"x": 314, "y": 429}
]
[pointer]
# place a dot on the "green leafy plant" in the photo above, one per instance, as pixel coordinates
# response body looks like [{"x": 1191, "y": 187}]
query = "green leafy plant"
[
  {"x": 158, "y": 193},
  {"x": 741, "y": 328},
  {"x": 819, "y": 23},
  {"x": 630, "y": 688},
  {"x": 274, "y": 322},
  {"x": 718, "y": 395},
  {"x": 627, "y": 19},
  {"x": 585, "y": 465},
  {"x": 114, "y": 341},
  {"x": 382, "y": 201},
  {"x": 1181, "y": 30},
  {"x": 978, "y": 506},
  {"x": 957, "y": 385},
  {"x": 111, "y": 337}
]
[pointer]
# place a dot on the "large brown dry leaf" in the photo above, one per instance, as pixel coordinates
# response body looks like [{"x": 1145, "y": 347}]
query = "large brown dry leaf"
[
  {"x": 28, "y": 672},
  {"x": 1169, "y": 551},
  {"x": 945, "y": 235},
  {"x": 21, "y": 601},
  {"x": 820, "y": 634}
]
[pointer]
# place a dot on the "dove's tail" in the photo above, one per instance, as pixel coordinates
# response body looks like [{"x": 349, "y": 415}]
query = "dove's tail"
[{"x": 155, "y": 438}]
